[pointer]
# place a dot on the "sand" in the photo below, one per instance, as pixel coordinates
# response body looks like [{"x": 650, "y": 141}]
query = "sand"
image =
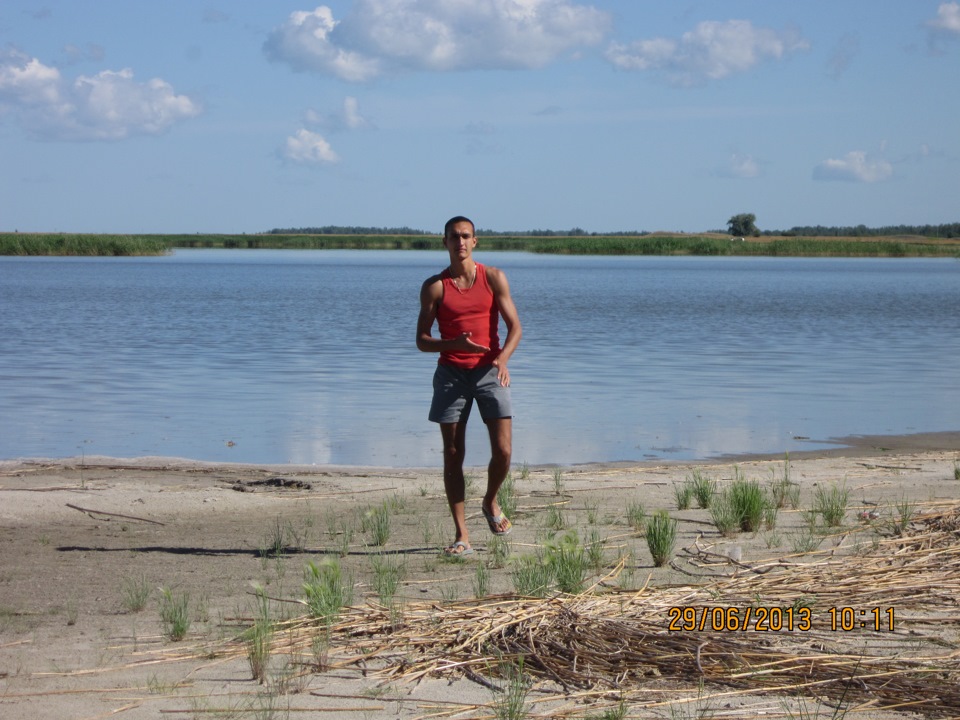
[{"x": 76, "y": 537}]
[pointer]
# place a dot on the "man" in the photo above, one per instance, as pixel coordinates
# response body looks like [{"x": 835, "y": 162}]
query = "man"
[{"x": 467, "y": 300}]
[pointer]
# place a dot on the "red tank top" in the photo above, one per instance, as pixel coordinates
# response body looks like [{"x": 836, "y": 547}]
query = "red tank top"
[{"x": 474, "y": 311}]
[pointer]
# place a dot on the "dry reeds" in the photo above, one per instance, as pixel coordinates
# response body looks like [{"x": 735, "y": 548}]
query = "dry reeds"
[{"x": 615, "y": 646}]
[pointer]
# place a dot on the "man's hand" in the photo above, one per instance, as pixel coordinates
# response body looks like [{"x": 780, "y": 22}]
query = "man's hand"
[
  {"x": 503, "y": 375},
  {"x": 463, "y": 343}
]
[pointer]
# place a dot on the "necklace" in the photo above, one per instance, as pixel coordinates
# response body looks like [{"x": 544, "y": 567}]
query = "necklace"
[{"x": 467, "y": 281}]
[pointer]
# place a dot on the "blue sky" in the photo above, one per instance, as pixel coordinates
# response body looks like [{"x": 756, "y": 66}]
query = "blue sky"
[{"x": 225, "y": 117}]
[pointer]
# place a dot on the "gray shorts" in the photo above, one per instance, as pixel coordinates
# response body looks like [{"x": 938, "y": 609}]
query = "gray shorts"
[{"x": 455, "y": 389}]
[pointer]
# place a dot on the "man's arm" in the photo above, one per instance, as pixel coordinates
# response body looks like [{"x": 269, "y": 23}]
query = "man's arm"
[
  {"x": 431, "y": 293},
  {"x": 508, "y": 311}
]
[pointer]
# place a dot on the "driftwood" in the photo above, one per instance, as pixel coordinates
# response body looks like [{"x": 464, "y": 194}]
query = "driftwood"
[{"x": 91, "y": 513}]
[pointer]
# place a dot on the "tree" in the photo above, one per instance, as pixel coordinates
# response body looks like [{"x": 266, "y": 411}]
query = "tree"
[{"x": 743, "y": 224}]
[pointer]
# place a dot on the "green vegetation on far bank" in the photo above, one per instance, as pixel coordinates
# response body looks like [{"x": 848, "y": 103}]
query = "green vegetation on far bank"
[
  {"x": 724, "y": 245},
  {"x": 653, "y": 244},
  {"x": 81, "y": 245}
]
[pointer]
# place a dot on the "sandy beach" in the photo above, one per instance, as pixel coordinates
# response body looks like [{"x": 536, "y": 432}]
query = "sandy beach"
[{"x": 80, "y": 540}]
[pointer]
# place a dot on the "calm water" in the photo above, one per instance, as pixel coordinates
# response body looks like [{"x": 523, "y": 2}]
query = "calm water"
[{"x": 309, "y": 357}]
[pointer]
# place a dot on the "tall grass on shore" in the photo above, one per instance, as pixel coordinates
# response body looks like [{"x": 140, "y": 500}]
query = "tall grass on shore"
[
  {"x": 654, "y": 244},
  {"x": 174, "y": 613},
  {"x": 85, "y": 245},
  {"x": 661, "y": 536},
  {"x": 719, "y": 245},
  {"x": 333, "y": 242}
]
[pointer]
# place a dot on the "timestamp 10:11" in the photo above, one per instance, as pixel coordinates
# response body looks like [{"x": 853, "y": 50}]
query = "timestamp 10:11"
[{"x": 849, "y": 618}]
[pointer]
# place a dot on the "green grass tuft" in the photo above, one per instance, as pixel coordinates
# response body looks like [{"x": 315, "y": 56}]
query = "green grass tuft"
[
  {"x": 704, "y": 488},
  {"x": 636, "y": 515},
  {"x": 661, "y": 535},
  {"x": 326, "y": 590},
  {"x": 174, "y": 614},
  {"x": 136, "y": 592},
  {"x": 749, "y": 502},
  {"x": 831, "y": 504}
]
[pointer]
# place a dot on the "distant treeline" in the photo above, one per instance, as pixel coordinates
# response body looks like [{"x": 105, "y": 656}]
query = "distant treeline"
[
  {"x": 948, "y": 230},
  {"x": 345, "y": 230}
]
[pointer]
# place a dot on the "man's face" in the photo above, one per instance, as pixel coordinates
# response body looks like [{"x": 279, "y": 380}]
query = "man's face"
[{"x": 460, "y": 240}]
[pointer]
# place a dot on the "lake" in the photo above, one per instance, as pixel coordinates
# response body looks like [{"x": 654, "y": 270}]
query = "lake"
[{"x": 283, "y": 356}]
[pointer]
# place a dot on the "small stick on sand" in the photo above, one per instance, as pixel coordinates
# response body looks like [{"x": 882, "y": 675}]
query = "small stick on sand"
[{"x": 101, "y": 512}]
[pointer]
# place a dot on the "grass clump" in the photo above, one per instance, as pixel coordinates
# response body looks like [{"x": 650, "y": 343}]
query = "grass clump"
[
  {"x": 594, "y": 550},
  {"x": 174, "y": 614},
  {"x": 499, "y": 552},
  {"x": 568, "y": 562},
  {"x": 636, "y": 515},
  {"x": 555, "y": 518},
  {"x": 831, "y": 504},
  {"x": 375, "y": 521},
  {"x": 619, "y": 712},
  {"x": 531, "y": 576},
  {"x": 749, "y": 502},
  {"x": 326, "y": 590},
  {"x": 388, "y": 573},
  {"x": 136, "y": 592},
  {"x": 703, "y": 488},
  {"x": 743, "y": 506},
  {"x": 683, "y": 494},
  {"x": 783, "y": 491},
  {"x": 481, "y": 581},
  {"x": 561, "y": 564},
  {"x": 903, "y": 515},
  {"x": 724, "y": 515},
  {"x": 259, "y": 637},
  {"x": 806, "y": 541},
  {"x": 661, "y": 535},
  {"x": 558, "y": 483}
]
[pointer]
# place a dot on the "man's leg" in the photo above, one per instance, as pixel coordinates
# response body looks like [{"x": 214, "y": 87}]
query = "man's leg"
[
  {"x": 501, "y": 448},
  {"x": 454, "y": 453}
]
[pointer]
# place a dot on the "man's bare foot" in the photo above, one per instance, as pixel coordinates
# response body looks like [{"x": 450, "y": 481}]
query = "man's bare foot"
[
  {"x": 499, "y": 524},
  {"x": 458, "y": 549}
]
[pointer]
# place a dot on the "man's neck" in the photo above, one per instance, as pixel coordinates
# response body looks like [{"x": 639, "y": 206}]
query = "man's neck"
[{"x": 463, "y": 268}]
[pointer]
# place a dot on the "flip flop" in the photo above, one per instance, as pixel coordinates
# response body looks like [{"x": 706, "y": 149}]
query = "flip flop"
[
  {"x": 497, "y": 521},
  {"x": 458, "y": 549}
]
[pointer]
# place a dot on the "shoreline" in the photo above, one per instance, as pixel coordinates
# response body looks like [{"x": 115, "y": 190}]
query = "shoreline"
[{"x": 849, "y": 446}]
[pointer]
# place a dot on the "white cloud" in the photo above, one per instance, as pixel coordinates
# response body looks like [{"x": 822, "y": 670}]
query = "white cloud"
[
  {"x": 948, "y": 18},
  {"x": 946, "y": 26},
  {"x": 740, "y": 166},
  {"x": 304, "y": 41},
  {"x": 855, "y": 166},
  {"x": 711, "y": 51},
  {"x": 378, "y": 36},
  {"x": 309, "y": 148},
  {"x": 107, "y": 106}
]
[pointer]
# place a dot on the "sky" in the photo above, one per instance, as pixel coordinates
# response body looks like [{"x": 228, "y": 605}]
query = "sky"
[{"x": 188, "y": 116}]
